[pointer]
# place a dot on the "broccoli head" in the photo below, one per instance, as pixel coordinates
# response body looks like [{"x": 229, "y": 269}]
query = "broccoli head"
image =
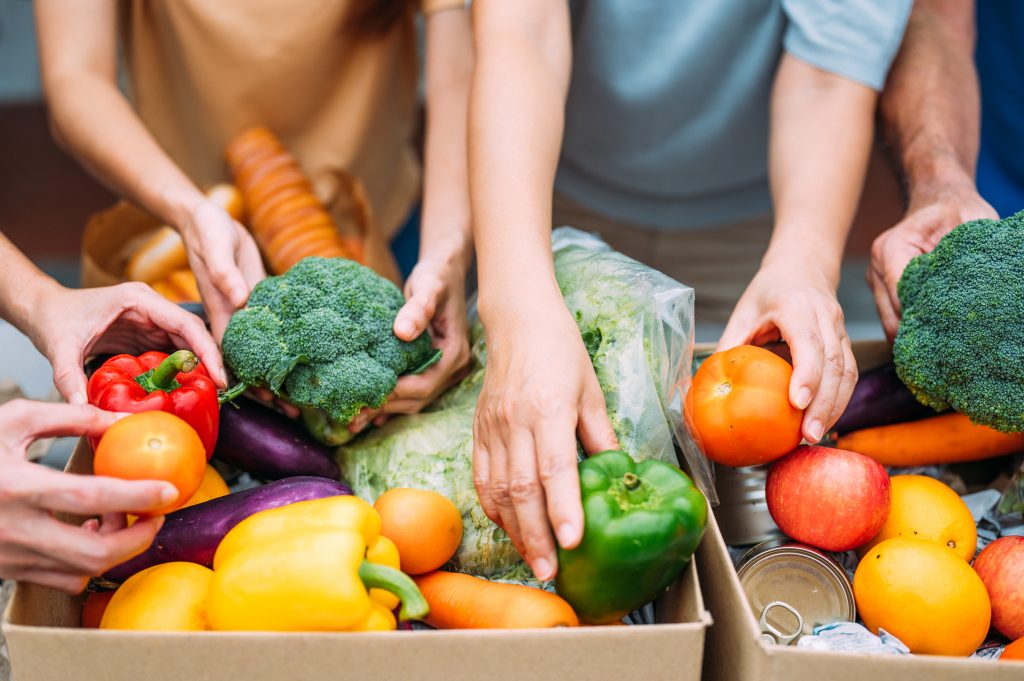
[
  {"x": 961, "y": 340},
  {"x": 320, "y": 335}
]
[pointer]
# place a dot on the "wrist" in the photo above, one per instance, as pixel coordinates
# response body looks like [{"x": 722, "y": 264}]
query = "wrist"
[
  {"x": 813, "y": 264},
  {"x": 181, "y": 207},
  {"x": 453, "y": 252},
  {"x": 933, "y": 175},
  {"x": 531, "y": 304},
  {"x": 31, "y": 312}
]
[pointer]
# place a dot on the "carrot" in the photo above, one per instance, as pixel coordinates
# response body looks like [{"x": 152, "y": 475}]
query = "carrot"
[
  {"x": 460, "y": 601},
  {"x": 948, "y": 438},
  {"x": 279, "y": 199}
]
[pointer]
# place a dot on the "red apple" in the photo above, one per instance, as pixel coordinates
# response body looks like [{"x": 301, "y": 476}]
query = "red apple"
[
  {"x": 834, "y": 499},
  {"x": 1001, "y": 567}
]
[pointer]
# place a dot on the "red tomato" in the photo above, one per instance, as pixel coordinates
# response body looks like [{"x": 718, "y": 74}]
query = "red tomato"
[{"x": 153, "y": 445}]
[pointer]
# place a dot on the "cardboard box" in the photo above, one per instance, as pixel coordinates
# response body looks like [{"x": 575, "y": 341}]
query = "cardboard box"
[
  {"x": 736, "y": 652},
  {"x": 45, "y": 644}
]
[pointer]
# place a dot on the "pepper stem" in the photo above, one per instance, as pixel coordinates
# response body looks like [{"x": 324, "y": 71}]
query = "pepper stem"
[
  {"x": 631, "y": 481},
  {"x": 377, "y": 576},
  {"x": 164, "y": 376},
  {"x": 231, "y": 393}
]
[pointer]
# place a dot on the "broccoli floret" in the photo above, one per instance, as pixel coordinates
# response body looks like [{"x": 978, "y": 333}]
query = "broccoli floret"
[
  {"x": 961, "y": 340},
  {"x": 320, "y": 335}
]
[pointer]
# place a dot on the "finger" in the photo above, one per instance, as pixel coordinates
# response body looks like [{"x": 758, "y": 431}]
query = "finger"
[
  {"x": 68, "y": 377},
  {"x": 90, "y": 553},
  {"x": 848, "y": 383},
  {"x": 738, "y": 330},
  {"x": 249, "y": 262},
  {"x": 186, "y": 327},
  {"x": 530, "y": 503},
  {"x": 501, "y": 494},
  {"x": 883, "y": 303},
  {"x": 819, "y": 412},
  {"x": 381, "y": 420},
  {"x": 113, "y": 522},
  {"x": 62, "y": 581},
  {"x": 93, "y": 495},
  {"x": 801, "y": 332},
  {"x": 288, "y": 409},
  {"x": 34, "y": 420},
  {"x": 91, "y": 525},
  {"x": 594, "y": 427},
  {"x": 414, "y": 317},
  {"x": 555, "y": 443},
  {"x": 482, "y": 476}
]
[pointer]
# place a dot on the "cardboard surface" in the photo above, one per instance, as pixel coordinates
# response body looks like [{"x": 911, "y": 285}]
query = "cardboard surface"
[
  {"x": 735, "y": 651},
  {"x": 45, "y": 645}
]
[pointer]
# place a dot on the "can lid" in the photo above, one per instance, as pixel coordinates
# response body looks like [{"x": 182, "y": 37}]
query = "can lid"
[{"x": 801, "y": 577}]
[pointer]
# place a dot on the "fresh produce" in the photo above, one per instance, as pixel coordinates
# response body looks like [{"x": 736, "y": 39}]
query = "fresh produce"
[
  {"x": 287, "y": 219},
  {"x": 924, "y": 595},
  {"x": 878, "y": 399},
  {"x": 168, "y": 597},
  {"x": 268, "y": 444},
  {"x": 947, "y": 438},
  {"x": 958, "y": 343},
  {"x": 212, "y": 486},
  {"x": 635, "y": 324},
  {"x": 459, "y": 601},
  {"x": 321, "y": 336},
  {"x": 830, "y": 498},
  {"x": 153, "y": 445},
  {"x": 1001, "y": 567},
  {"x": 180, "y": 286},
  {"x": 93, "y": 608},
  {"x": 155, "y": 381},
  {"x": 642, "y": 523},
  {"x": 193, "y": 534},
  {"x": 1013, "y": 651},
  {"x": 305, "y": 567},
  {"x": 426, "y": 527},
  {"x": 925, "y": 508},
  {"x": 739, "y": 408}
]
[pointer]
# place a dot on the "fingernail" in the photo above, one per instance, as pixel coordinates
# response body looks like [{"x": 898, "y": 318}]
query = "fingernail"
[
  {"x": 816, "y": 430},
  {"x": 168, "y": 494},
  {"x": 566, "y": 535},
  {"x": 542, "y": 569},
  {"x": 803, "y": 398},
  {"x": 404, "y": 327}
]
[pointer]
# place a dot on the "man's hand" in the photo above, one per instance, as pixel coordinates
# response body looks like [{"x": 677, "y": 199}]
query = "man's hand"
[
  {"x": 35, "y": 546},
  {"x": 801, "y": 308},
  {"x": 72, "y": 324},
  {"x": 920, "y": 230},
  {"x": 225, "y": 260}
]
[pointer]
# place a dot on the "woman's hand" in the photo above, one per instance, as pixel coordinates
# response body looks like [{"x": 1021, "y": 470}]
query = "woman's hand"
[
  {"x": 540, "y": 392},
  {"x": 69, "y": 325},
  {"x": 924, "y": 225},
  {"x": 800, "y": 307},
  {"x": 225, "y": 260},
  {"x": 35, "y": 546}
]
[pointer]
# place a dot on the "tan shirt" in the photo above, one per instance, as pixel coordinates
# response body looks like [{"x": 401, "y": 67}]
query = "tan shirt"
[{"x": 201, "y": 71}]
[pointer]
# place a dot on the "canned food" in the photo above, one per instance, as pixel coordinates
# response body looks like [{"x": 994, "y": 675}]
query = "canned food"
[
  {"x": 742, "y": 511},
  {"x": 793, "y": 588}
]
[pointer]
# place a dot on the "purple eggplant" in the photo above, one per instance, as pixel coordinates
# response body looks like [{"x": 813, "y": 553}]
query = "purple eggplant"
[
  {"x": 269, "y": 445},
  {"x": 193, "y": 533},
  {"x": 880, "y": 398}
]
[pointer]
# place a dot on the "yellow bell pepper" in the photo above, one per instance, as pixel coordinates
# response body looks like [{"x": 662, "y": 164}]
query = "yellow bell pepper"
[
  {"x": 308, "y": 567},
  {"x": 167, "y": 597}
]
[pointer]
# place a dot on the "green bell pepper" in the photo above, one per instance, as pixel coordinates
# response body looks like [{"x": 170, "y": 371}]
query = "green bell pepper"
[{"x": 642, "y": 523}]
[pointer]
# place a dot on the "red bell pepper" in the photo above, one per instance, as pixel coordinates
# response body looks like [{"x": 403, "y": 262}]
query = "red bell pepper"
[{"x": 156, "y": 381}]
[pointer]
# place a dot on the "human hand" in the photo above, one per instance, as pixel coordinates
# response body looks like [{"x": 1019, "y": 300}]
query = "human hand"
[
  {"x": 225, "y": 260},
  {"x": 72, "y": 324},
  {"x": 800, "y": 306},
  {"x": 35, "y": 546},
  {"x": 924, "y": 225},
  {"x": 539, "y": 393},
  {"x": 436, "y": 301}
]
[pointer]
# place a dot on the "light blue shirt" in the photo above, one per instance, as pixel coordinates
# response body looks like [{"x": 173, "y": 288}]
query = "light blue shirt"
[{"x": 667, "y": 116}]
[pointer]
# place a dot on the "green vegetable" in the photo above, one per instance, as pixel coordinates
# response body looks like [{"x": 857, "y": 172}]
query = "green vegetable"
[
  {"x": 959, "y": 342},
  {"x": 642, "y": 523},
  {"x": 320, "y": 336}
]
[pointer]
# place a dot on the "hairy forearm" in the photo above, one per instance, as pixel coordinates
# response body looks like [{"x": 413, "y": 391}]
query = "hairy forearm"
[
  {"x": 930, "y": 108},
  {"x": 446, "y": 231},
  {"x": 95, "y": 123},
  {"x": 821, "y": 132},
  {"x": 516, "y": 123},
  {"x": 23, "y": 288}
]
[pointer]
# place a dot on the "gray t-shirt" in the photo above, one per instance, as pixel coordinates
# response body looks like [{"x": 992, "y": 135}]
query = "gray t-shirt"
[{"x": 667, "y": 116}]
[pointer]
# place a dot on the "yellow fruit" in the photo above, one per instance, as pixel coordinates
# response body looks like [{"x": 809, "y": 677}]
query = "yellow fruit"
[
  {"x": 925, "y": 508},
  {"x": 924, "y": 595}
]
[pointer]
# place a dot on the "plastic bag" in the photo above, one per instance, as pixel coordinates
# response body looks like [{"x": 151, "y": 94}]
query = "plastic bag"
[{"x": 637, "y": 325}]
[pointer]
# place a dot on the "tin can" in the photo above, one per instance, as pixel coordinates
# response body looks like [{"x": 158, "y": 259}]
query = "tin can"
[
  {"x": 793, "y": 588},
  {"x": 742, "y": 511}
]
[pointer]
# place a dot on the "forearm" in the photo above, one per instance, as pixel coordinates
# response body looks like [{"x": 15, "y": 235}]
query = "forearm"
[
  {"x": 516, "y": 123},
  {"x": 23, "y": 288},
  {"x": 821, "y": 132},
  {"x": 930, "y": 107},
  {"x": 446, "y": 232}
]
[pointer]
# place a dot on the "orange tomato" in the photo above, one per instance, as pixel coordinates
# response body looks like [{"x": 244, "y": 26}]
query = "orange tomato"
[
  {"x": 424, "y": 525},
  {"x": 93, "y": 608},
  {"x": 153, "y": 445},
  {"x": 738, "y": 407},
  {"x": 1014, "y": 651}
]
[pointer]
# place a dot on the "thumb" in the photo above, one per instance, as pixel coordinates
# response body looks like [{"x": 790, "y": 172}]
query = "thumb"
[
  {"x": 69, "y": 379},
  {"x": 414, "y": 317},
  {"x": 42, "y": 419},
  {"x": 737, "y": 332},
  {"x": 595, "y": 427}
]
